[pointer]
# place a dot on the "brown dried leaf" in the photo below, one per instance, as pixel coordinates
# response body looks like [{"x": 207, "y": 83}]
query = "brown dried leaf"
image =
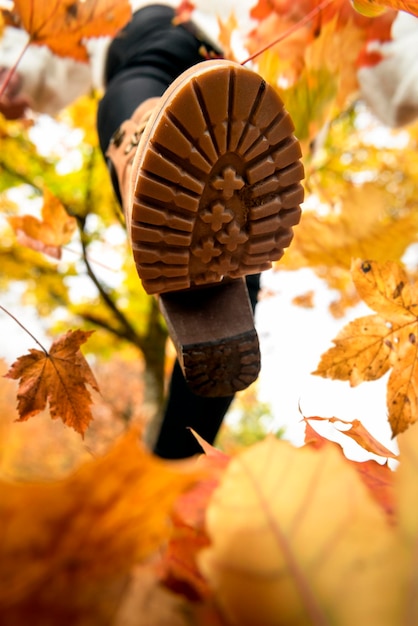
[{"x": 58, "y": 377}]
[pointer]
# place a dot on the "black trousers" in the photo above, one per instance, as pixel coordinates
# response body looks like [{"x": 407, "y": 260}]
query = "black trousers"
[{"x": 143, "y": 60}]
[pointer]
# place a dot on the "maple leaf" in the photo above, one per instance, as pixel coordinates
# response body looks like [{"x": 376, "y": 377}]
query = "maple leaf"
[
  {"x": 58, "y": 377},
  {"x": 369, "y": 346},
  {"x": 289, "y": 528},
  {"x": 84, "y": 533},
  {"x": 63, "y": 25},
  {"x": 47, "y": 235}
]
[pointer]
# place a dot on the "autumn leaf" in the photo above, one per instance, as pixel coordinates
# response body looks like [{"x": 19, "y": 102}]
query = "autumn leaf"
[
  {"x": 379, "y": 479},
  {"x": 58, "y": 377},
  {"x": 407, "y": 517},
  {"x": 286, "y": 23},
  {"x": 297, "y": 539},
  {"x": 148, "y": 603},
  {"x": 359, "y": 434},
  {"x": 63, "y": 25},
  {"x": 47, "y": 235},
  {"x": 68, "y": 546},
  {"x": 369, "y": 346},
  {"x": 334, "y": 238},
  {"x": 226, "y": 29},
  {"x": 305, "y": 300},
  {"x": 373, "y": 8},
  {"x": 178, "y": 568}
]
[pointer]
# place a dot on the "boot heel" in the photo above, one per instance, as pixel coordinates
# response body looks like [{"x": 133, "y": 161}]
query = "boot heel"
[{"x": 212, "y": 329}]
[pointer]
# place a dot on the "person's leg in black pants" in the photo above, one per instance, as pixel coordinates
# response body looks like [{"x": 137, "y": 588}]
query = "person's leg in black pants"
[
  {"x": 143, "y": 61},
  {"x": 185, "y": 410}
]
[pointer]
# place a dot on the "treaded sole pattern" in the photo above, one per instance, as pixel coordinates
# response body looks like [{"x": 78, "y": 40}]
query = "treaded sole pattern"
[{"x": 218, "y": 185}]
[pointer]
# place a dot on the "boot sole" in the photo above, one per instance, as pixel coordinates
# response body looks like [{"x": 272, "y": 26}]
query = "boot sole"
[
  {"x": 218, "y": 187},
  {"x": 216, "y": 195}
]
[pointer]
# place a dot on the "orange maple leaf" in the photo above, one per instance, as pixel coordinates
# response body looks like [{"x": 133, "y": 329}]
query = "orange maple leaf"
[
  {"x": 370, "y": 346},
  {"x": 47, "y": 235},
  {"x": 58, "y": 377},
  {"x": 63, "y": 25}
]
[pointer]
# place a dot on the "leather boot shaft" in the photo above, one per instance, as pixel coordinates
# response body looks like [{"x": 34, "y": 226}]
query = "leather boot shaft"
[{"x": 122, "y": 149}]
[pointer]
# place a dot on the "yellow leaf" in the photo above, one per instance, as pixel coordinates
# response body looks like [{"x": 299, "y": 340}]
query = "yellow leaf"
[
  {"x": 406, "y": 482},
  {"x": 63, "y": 25},
  {"x": 368, "y": 8},
  {"x": 402, "y": 390},
  {"x": 385, "y": 288},
  {"x": 47, "y": 235},
  {"x": 297, "y": 539},
  {"x": 226, "y": 29},
  {"x": 68, "y": 546},
  {"x": 362, "y": 226},
  {"x": 373, "y": 8},
  {"x": 305, "y": 300},
  {"x": 369, "y": 346},
  {"x": 336, "y": 49},
  {"x": 362, "y": 352},
  {"x": 59, "y": 377}
]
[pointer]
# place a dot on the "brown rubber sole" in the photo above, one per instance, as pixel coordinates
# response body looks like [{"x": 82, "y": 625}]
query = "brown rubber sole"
[{"x": 216, "y": 194}]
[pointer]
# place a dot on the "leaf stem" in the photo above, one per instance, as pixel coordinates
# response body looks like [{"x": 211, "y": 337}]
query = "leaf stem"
[
  {"x": 13, "y": 69},
  {"x": 24, "y": 328}
]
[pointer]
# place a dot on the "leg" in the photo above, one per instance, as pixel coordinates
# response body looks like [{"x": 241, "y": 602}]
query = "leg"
[
  {"x": 185, "y": 410},
  {"x": 213, "y": 193},
  {"x": 143, "y": 60}
]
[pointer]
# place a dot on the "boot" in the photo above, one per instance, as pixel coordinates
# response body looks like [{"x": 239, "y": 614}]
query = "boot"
[{"x": 209, "y": 176}]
